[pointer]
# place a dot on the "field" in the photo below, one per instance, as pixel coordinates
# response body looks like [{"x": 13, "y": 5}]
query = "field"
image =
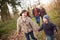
[{"x": 8, "y": 28}]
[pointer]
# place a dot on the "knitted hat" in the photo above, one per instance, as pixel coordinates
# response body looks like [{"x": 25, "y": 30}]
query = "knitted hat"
[{"x": 46, "y": 17}]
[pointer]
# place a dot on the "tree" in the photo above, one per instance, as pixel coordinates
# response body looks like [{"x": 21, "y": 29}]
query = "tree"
[
  {"x": 4, "y": 11},
  {"x": 5, "y": 15}
]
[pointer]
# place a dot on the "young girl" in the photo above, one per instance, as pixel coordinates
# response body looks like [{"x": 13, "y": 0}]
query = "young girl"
[{"x": 26, "y": 25}]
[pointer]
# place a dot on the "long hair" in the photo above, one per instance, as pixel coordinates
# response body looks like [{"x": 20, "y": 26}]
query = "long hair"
[{"x": 25, "y": 11}]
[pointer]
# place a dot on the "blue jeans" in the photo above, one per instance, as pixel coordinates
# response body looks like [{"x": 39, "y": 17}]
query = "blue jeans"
[
  {"x": 37, "y": 19},
  {"x": 50, "y": 37},
  {"x": 31, "y": 34}
]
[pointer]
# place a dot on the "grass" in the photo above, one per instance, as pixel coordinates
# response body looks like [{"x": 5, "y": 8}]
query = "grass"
[
  {"x": 7, "y": 27},
  {"x": 55, "y": 18}
]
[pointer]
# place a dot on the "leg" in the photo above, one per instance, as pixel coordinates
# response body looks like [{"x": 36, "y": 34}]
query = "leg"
[
  {"x": 52, "y": 37},
  {"x": 37, "y": 19},
  {"x": 27, "y": 36},
  {"x": 49, "y": 37},
  {"x": 42, "y": 18},
  {"x": 32, "y": 35}
]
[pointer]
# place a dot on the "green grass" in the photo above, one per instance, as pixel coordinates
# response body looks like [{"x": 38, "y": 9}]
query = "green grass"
[
  {"x": 6, "y": 28},
  {"x": 55, "y": 18}
]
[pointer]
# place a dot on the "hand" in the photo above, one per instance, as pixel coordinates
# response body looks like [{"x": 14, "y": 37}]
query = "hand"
[
  {"x": 55, "y": 32},
  {"x": 18, "y": 34},
  {"x": 36, "y": 32}
]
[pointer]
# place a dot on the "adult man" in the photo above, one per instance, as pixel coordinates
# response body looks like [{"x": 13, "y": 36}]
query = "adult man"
[{"x": 36, "y": 14}]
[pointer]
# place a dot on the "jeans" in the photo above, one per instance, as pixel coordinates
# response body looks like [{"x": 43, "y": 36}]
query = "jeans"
[
  {"x": 50, "y": 37},
  {"x": 37, "y": 19},
  {"x": 31, "y": 34}
]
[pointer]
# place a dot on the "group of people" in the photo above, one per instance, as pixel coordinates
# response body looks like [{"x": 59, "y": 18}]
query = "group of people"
[
  {"x": 38, "y": 12},
  {"x": 26, "y": 25}
]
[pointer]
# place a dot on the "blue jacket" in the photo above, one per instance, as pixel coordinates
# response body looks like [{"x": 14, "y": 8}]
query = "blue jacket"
[{"x": 48, "y": 28}]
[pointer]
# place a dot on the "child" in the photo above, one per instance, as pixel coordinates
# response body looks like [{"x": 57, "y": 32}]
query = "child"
[
  {"x": 48, "y": 28},
  {"x": 26, "y": 25}
]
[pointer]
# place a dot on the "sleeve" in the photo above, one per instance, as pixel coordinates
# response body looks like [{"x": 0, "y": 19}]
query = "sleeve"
[
  {"x": 54, "y": 27},
  {"x": 18, "y": 27},
  {"x": 39, "y": 12},
  {"x": 33, "y": 25},
  {"x": 44, "y": 11},
  {"x": 41, "y": 28},
  {"x": 33, "y": 12}
]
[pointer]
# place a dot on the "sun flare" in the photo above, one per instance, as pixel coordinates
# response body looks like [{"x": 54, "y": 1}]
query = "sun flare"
[{"x": 45, "y": 1}]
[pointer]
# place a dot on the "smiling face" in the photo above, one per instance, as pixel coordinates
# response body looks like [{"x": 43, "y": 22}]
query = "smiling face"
[
  {"x": 24, "y": 14},
  {"x": 45, "y": 20}
]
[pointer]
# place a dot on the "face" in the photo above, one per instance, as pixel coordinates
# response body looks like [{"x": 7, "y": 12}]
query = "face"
[
  {"x": 34, "y": 6},
  {"x": 45, "y": 20},
  {"x": 41, "y": 6},
  {"x": 24, "y": 14}
]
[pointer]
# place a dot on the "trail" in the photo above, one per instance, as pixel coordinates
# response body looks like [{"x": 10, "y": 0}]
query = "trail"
[
  {"x": 39, "y": 36},
  {"x": 13, "y": 36}
]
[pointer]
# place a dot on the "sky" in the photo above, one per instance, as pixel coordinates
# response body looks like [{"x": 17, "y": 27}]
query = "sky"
[
  {"x": 35, "y": 1},
  {"x": 26, "y": 3}
]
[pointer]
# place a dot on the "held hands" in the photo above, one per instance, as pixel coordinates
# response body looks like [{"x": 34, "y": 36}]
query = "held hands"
[
  {"x": 55, "y": 34},
  {"x": 18, "y": 34},
  {"x": 36, "y": 32}
]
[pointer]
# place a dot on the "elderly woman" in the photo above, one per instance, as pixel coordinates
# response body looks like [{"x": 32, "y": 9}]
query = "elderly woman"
[{"x": 26, "y": 25}]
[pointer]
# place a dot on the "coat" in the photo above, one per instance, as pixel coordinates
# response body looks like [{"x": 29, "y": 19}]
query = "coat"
[{"x": 26, "y": 26}]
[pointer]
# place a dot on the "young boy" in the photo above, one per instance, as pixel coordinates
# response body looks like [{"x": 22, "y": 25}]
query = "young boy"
[{"x": 48, "y": 27}]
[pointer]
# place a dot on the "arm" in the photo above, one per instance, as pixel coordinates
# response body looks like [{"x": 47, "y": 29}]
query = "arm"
[
  {"x": 41, "y": 28},
  {"x": 18, "y": 27},
  {"x": 33, "y": 12},
  {"x": 33, "y": 25},
  {"x": 38, "y": 11},
  {"x": 54, "y": 27},
  {"x": 44, "y": 11}
]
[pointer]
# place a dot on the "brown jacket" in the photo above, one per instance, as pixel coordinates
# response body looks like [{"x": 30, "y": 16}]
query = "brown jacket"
[{"x": 26, "y": 26}]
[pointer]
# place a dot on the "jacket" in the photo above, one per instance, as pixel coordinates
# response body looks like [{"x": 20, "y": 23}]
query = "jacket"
[
  {"x": 48, "y": 28},
  {"x": 38, "y": 12},
  {"x": 26, "y": 26}
]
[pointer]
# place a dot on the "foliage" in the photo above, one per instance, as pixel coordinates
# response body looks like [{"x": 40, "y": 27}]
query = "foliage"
[{"x": 6, "y": 28}]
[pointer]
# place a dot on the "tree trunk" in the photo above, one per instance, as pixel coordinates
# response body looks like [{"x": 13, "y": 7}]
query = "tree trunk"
[{"x": 4, "y": 11}]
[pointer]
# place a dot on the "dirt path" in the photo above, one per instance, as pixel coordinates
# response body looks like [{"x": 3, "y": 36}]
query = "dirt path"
[
  {"x": 39, "y": 36},
  {"x": 13, "y": 36}
]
